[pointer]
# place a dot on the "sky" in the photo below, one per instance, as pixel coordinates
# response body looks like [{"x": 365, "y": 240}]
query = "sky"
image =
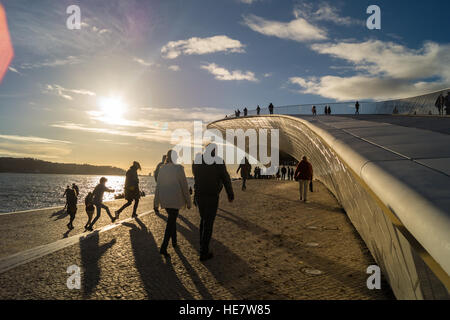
[{"x": 113, "y": 91}]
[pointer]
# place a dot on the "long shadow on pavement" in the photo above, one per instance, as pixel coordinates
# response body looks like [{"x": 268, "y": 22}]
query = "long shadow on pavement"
[
  {"x": 159, "y": 278},
  {"x": 60, "y": 214},
  {"x": 230, "y": 271},
  {"x": 91, "y": 253}
]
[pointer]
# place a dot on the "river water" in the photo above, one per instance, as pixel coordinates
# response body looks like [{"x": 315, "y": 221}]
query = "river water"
[{"x": 23, "y": 191}]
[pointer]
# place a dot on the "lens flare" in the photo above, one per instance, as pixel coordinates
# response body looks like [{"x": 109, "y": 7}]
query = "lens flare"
[{"x": 6, "y": 48}]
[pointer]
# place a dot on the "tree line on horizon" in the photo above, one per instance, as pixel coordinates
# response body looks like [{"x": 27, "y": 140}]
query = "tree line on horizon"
[{"x": 30, "y": 165}]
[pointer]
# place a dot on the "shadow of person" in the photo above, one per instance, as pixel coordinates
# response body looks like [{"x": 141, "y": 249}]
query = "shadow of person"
[
  {"x": 60, "y": 214},
  {"x": 158, "y": 276},
  {"x": 202, "y": 290},
  {"x": 66, "y": 234},
  {"x": 230, "y": 271},
  {"x": 91, "y": 253}
]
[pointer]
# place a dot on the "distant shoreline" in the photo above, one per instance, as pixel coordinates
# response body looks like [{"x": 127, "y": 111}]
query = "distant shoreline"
[
  {"x": 30, "y": 165},
  {"x": 71, "y": 174}
]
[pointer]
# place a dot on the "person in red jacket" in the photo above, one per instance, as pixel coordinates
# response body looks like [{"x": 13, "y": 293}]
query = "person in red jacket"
[{"x": 304, "y": 175}]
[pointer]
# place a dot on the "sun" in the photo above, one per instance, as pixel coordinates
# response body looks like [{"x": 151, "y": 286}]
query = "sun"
[{"x": 112, "y": 108}]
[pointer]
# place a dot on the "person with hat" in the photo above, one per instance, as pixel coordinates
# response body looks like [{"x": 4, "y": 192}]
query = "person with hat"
[{"x": 132, "y": 192}]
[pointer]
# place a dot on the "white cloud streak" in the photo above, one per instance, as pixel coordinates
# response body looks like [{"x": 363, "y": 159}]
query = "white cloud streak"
[
  {"x": 200, "y": 46},
  {"x": 143, "y": 62},
  {"x": 223, "y": 74},
  {"x": 323, "y": 11},
  {"x": 63, "y": 92},
  {"x": 298, "y": 29},
  {"x": 32, "y": 139}
]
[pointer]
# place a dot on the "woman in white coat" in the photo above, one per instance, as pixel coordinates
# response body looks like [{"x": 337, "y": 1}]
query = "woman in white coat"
[{"x": 172, "y": 193}]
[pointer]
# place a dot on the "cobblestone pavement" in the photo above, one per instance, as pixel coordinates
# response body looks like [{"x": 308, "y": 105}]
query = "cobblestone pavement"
[
  {"x": 25, "y": 230},
  {"x": 265, "y": 245}
]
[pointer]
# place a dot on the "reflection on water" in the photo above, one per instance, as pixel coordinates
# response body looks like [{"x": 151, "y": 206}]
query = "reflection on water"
[{"x": 32, "y": 191}]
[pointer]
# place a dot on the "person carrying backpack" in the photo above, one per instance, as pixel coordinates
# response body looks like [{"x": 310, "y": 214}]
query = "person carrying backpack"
[{"x": 132, "y": 192}]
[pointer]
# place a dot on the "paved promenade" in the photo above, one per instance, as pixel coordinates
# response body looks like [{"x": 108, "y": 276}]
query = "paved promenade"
[{"x": 267, "y": 245}]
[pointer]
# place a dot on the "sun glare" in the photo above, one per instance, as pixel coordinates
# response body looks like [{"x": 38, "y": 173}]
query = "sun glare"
[{"x": 113, "y": 108}]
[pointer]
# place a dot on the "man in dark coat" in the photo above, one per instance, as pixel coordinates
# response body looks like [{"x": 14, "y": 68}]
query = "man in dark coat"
[
  {"x": 440, "y": 104},
  {"x": 258, "y": 110},
  {"x": 447, "y": 103},
  {"x": 304, "y": 175},
  {"x": 209, "y": 181},
  {"x": 245, "y": 168},
  {"x": 131, "y": 189},
  {"x": 72, "y": 200},
  {"x": 271, "y": 108}
]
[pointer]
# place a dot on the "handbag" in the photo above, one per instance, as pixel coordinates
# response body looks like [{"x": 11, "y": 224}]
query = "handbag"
[{"x": 311, "y": 186}]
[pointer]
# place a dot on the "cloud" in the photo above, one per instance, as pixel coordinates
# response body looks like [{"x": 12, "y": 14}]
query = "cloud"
[
  {"x": 70, "y": 60},
  {"x": 174, "y": 68},
  {"x": 298, "y": 29},
  {"x": 248, "y": 1},
  {"x": 390, "y": 59},
  {"x": 267, "y": 75},
  {"x": 383, "y": 70},
  {"x": 199, "y": 46},
  {"x": 32, "y": 139},
  {"x": 143, "y": 62},
  {"x": 364, "y": 87},
  {"x": 30, "y": 146},
  {"x": 13, "y": 70},
  {"x": 225, "y": 75},
  {"x": 154, "y": 124},
  {"x": 62, "y": 92},
  {"x": 323, "y": 12}
]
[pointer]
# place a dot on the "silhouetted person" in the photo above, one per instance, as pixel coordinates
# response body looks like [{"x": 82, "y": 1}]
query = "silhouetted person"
[
  {"x": 304, "y": 175},
  {"x": 447, "y": 103},
  {"x": 245, "y": 169},
  {"x": 65, "y": 195},
  {"x": 98, "y": 192},
  {"x": 245, "y": 112},
  {"x": 314, "y": 111},
  {"x": 172, "y": 193},
  {"x": 89, "y": 207},
  {"x": 209, "y": 181},
  {"x": 72, "y": 200},
  {"x": 131, "y": 191},
  {"x": 283, "y": 173},
  {"x": 238, "y": 113},
  {"x": 440, "y": 104},
  {"x": 155, "y": 174},
  {"x": 76, "y": 189},
  {"x": 271, "y": 108},
  {"x": 395, "y": 111},
  {"x": 325, "y": 111},
  {"x": 258, "y": 110},
  {"x": 329, "y": 110},
  {"x": 357, "y": 107}
]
